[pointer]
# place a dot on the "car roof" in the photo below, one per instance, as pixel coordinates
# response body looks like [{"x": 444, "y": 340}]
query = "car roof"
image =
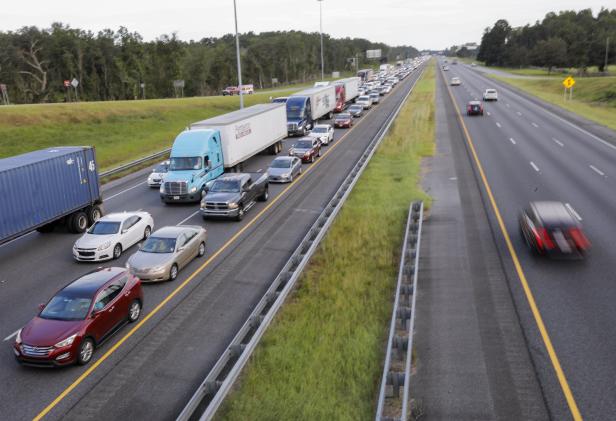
[
  {"x": 311, "y": 139},
  {"x": 324, "y": 126},
  {"x": 474, "y": 102},
  {"x": 284, "y": 158},
  {"x": 117, "y": 216},
  {"x": 553, "y": 213},
  {"x": 231, "y": 176},
  {"x": 171, "y": 231},
  {"x": 343, "y": 115},
  {"x": 93, "y": 281}
]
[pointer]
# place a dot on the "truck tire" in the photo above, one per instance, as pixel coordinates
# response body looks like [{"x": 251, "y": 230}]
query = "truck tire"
[
  {"x": 94, "y": 214},
  {"x": 78, "y": 222}
]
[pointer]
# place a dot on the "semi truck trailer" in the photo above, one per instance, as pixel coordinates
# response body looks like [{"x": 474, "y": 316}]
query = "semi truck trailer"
[
  {"x": 44, "y": 188},
  {"x": 220, "y": 144}
]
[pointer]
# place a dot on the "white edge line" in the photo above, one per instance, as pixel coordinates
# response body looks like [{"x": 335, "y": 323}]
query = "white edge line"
[
  {"x": 512, "y": 140},
  {"x": 125, "y": 190},
  {"x": 534, "y": 124},
  {"x": 498, "y": 124},
  {"x": 519, "y": 113},
  {"x": 577, "y": 215},
  {"x": 489, "y": 113},
  {"x": 188, "y": 217},
  {"x": 558, "y": 142},
  {"x": 535, "y": 167},
  {"x": 11, "y": 335}
]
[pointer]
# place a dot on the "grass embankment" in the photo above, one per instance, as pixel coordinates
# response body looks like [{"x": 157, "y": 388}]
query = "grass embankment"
[
  {"x": 593, "y": 98},
  {"x": 322, "y": 357},
  {"x": 121, "y": 130}
]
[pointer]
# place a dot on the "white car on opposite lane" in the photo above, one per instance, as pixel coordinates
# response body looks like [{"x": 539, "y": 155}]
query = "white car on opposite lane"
[{"x": 108, "y": 237}]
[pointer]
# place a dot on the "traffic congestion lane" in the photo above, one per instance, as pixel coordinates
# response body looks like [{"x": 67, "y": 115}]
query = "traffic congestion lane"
[
  {"x": 28, "y": 380},
  {"x": 574, "y": 297}
]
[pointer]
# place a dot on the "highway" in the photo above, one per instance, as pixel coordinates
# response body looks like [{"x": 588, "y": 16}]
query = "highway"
[
  {"x": 149, "y": 370},
  {"x": 528, "y": 153}
]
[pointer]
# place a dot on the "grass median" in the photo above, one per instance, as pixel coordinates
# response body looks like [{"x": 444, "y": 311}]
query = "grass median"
[
  {"x": 121, "y": 131},
  {"x": 593, "y": 97},
  {"x": 322, "y": 356}
]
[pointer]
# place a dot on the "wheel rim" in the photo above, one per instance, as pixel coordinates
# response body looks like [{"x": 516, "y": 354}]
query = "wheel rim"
[
  {"x": 83, "y": 222},
  {"x": 201, "y": 249},
  {"x": 135, "y": 309},
  {"x": 117, "y": 251},
  {"x": 86, "y": 351},
  {"x": 174, "y": 272},
  {"x": 96, "y": 214},
  {"x": 147, "y": 232}
]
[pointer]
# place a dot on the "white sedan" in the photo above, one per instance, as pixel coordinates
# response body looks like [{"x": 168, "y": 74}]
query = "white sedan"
[
  {"x": 323, "y": 132},
  {"x": 111, "y": 235},
  {"x": 158, "y": 172}
]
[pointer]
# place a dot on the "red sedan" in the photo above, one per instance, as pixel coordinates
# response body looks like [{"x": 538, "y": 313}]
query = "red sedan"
[
  {"x": 80, "y": 317},
  {"x": 343, "y": 120}
]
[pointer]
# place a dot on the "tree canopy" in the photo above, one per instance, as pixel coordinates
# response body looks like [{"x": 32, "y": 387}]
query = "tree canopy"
[
  {"x": 566, "y": 39},
  {"x": 114, "y": 65}
]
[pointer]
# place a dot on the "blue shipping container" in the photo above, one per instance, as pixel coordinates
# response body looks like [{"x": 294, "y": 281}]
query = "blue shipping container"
[{"x": 40, "y": 187}]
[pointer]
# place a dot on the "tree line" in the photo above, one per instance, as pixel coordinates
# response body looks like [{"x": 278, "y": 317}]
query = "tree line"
[
  {"x": 119, "y": 65},
  {"x": 564, "y": 39}
]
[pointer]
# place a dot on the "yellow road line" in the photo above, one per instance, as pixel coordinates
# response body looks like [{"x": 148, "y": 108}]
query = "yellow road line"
[
  {"x": 173, "y": 293},
  {"x": 575, "y": 412}
]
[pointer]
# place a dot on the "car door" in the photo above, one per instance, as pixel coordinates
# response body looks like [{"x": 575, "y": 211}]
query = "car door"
[
  {"x": 106, "y": 314},
  {"x": 249, "y": 191},
  {"x": 192, "y": 245},
  {"x": 297, "y": 164},
  {"x": 330, "y": 134},
  {"x": 180, "y": 251}
]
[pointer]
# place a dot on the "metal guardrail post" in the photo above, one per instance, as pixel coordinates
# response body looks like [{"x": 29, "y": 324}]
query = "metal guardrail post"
[{"x": 400, "y": 342}]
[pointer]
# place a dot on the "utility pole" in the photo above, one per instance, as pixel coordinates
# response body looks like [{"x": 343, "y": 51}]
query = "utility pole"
[
  {"x": 237, "y": 52},
  {"x": 321, "y": 31},
  {"x": 607, "y": 47}
]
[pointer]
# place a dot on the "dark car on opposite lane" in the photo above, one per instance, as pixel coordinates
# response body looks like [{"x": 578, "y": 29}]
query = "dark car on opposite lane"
[
  {"x": 80, "y": 317},
  {"x": 474, "y": 108},
  {"x": 553, "y": 229}
]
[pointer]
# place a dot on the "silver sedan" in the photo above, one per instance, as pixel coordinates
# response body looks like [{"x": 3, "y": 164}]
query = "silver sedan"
[
  {"x": 167, "y": 251},
  {"x": 284, "y": 169}
]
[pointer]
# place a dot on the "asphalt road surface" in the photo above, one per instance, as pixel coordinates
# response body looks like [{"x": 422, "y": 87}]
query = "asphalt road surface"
[
  {"x": 529, "y": 153},
  {"x": 151, "y": 373}
]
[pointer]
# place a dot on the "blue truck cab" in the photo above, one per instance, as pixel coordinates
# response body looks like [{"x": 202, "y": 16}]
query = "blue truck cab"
[
  {"x": 196, "y": 158},
  {"x": 299, "y": 115}
]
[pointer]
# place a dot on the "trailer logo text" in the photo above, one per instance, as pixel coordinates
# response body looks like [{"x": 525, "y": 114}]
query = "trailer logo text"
[{"x": 242, "y": 130}]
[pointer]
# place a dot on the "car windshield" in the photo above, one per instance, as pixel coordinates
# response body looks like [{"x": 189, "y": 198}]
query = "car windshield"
[
  {"x": 104, "y": 228},
  {"x": 319, "y": 130},
  {"x": 294, "y": 110},
  {"x": 343, "y": 116},
  {"x": 355, "y": 108},
  {"x": 65, "y": 306},
  {"x": 185, "y": 163},
  {"x": 161, "y": 168},
  {"x": 363, "y": 98},
  {"x": 225, "y": 186},
  {"x": 304, "y": 144},
  {"x": 158, "y": 245},
  {"x": 281, "y": 163}
]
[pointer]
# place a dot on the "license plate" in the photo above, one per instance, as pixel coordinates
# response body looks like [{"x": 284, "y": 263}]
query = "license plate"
[{"x": 176, "y": 197}]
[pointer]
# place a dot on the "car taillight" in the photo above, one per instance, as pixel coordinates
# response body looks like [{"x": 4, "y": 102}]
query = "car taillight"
[
  {"x": 579, "y": 238},
  {"x": 545, "y": 237},
  {"x": 468, "y": 108}
]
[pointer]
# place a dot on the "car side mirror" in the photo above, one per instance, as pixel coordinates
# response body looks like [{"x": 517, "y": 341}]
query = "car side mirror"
[
  {"x": 208, "y": 185},
  {"x": 180, "y": 249},
  {"x": 41, "y": 306},
  {"x": 95, "y": 314}
]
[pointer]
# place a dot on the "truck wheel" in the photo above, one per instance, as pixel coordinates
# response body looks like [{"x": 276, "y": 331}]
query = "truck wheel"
[
  {"x": 78, "y": 222},
  {"x": 265, "y": 195},
  {"x": 94, "y": 214}
]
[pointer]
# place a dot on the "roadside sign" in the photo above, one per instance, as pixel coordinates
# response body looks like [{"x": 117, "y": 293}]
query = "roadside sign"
[
  {"x": 74, "y": 83},
  {"x": 67, "y": 83},
  {"x": 569, "y": 82}
]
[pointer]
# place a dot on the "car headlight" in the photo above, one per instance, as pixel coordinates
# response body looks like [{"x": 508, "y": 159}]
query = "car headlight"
[
  {"x": 104, "y": 246},
  {"x": 193, "y": 190},
  {"x": 202, "y": 205},
  {"x": 67, "y": 342},
  {"x": 162, "y": 188},
  {"x": 232, "y": 205},
  {"x": 18, "y": 336}
]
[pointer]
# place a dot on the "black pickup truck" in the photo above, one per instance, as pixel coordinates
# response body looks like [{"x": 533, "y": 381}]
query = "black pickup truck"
[{"x": 232, "y": 195}]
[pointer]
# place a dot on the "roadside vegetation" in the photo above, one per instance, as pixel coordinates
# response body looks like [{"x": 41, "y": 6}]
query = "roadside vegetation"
[
  {"x": 322, "y": 357},
  {"x": 121, "y": 131},
  {"x": 593, "y": 98}
]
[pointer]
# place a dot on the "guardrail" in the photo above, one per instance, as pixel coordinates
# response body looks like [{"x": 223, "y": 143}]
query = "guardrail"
[
  {"x": 135, "y": 163},
  {"x": 217, "y": 384},
  {"x": 399, "y": 353}
]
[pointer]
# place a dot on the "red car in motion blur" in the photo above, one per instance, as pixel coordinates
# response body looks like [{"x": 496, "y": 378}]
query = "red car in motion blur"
[
  {"x": 553, "y": 229},
  {"x": 474, "y": 108},
  {"x": 80, "y": 317}
]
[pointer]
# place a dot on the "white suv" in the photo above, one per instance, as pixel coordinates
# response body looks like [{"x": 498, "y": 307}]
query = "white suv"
[{"x": 490, "y": 95}]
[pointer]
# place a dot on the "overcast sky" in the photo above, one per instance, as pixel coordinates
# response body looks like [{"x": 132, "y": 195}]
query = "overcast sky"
[{"x": 422, "y": 23}]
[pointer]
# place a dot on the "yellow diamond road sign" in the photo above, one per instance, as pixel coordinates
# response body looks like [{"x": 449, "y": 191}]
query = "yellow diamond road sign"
[{"x": 569, "y": 82}]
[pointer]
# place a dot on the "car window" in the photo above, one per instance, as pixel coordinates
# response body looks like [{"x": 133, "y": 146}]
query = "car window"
[
  {"x": 189, "y": 236},
  {"x": 107, "y": 295},
  {"x": 181, "y": 240}
]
